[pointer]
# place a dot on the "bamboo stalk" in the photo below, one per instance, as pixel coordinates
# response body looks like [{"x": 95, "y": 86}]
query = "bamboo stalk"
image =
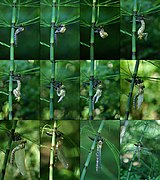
[
  {"x": 134, "y": 30},
  {"x": 14, "y": 124},
  {"x": 52, "y": 59},
  {"x": 131, "y": 88},
  {"x": 12, "y": 58},
  {"x": 92, "y": 60},
  {"x": 91, "y": 151},
  {"x": 51, "y": 165},
  {"x": 134, "y": 155}
]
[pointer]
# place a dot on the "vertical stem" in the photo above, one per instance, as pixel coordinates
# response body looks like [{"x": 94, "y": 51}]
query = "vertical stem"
[
  {"x": 52, "y": 59},
  {"x": 14, "y": 124},
  {"x": 51, "y": 166},
  {"x": 12, "y": 58},
  {"x": 131, "y": 88},
  {"x": 92, "y": 60},
  {"x": 91, "y": 151},
  {"x": 134, "y": 30}
]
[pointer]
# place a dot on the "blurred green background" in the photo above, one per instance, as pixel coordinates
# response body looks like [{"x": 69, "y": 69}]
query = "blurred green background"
[
  {"x": 148, "y": 49},
  {"x": 149, "y": 164},
  {"x": 66, "y": 72},
  {"x": 28, "y": 107},
  {"x": 110, "y": 133},
  {"x": 29, "y": 131},
  {"x": 149, "y": 71},
  {"x": 107, "y": 106},
  {"x": 67, "y": 44},
  {"x": 28, "y": 40},
  {"x": 70, "y": 129},
  {"x": 109, "y": 18}
]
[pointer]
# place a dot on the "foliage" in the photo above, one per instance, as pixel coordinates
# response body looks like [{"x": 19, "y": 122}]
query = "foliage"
[
  {"x": 70, "y": 129},
  {"x": 29, "y": 131},
  {"x": 110, "y": 153},
  {"x": 108, "y": 104},
  {"x": 27, "y": 15},
  {"x": 146, "y": 49},
  {"x": 66, "y": 72},
  {"x": 107, "y": 15},
  {"x": 67, "y": 44},
  {"x": 28, "y": 107},
  {"x": 149, "y": 165},
  {"x": 150, "y": 73}
]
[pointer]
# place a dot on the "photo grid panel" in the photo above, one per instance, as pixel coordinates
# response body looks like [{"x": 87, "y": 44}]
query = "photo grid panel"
[{"x": 79, "y": 89}]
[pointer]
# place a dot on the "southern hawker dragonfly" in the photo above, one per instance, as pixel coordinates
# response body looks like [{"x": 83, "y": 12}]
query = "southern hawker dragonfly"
[
  {"x": 59, "y": 153},
  {"x": 99, "y": 142}
]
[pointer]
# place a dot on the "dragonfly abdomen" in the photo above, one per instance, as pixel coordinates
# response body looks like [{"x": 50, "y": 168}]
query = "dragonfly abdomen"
[{"x": 20, "y": 29}]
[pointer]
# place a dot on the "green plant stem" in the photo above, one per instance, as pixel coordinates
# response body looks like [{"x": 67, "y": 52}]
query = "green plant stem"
[
  {"x": 134, "y": 30},
  {"x": 12, "y": 58},
  {"x": 14, "y": 124},
  {"x": 52, "y": 59},
  {"x": 135, "y": 152},
  {"x": 51, "y": 166},
  {"x": 131, "y": 89},
  {"x": 91, "y": 150},
  {"x": 92, "y": 60}
]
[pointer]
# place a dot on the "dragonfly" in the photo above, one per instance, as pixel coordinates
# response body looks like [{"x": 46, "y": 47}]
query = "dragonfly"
[
  {"x": 139, "y": 83},
  {"x": 100, "y": 141},
  {"x": 138, "y": 98},
  {"x": 59, "y": 153},
  {"x": 18, "y": 154},
  {"x": 59, "y": 83},
  {"x": 139, "y": 146},
  {"x": 139, "y": 149}
]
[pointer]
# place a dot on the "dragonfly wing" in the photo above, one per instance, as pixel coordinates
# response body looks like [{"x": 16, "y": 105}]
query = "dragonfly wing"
[
  {"x": 62, "y": 158},
  {"x": 140, "y": 100},
  {"x": 20, "y": 161}
]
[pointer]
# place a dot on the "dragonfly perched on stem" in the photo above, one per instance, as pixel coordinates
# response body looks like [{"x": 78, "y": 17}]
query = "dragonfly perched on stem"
[
  {"x": 59, "y": 153},
  {"x": 138, "y": 149},
  {"x": 100, "y": 141},
  {"x": 138, "y": 98},
  {"x": 139, "y": 146}
]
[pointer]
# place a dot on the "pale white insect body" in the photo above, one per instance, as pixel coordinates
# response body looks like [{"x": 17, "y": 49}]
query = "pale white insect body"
[
  {"x": 17, "y": 91},
  {"x": 141, "y": 33},
  {"x": 98, "y": 155},
  {"x": 103, "y": 34},
  {"x": 61, "y": 92},
  {"x": 97, "y": 95},
  {"x": 20, "y": 29},
  {"x": 61, "y": 29}
]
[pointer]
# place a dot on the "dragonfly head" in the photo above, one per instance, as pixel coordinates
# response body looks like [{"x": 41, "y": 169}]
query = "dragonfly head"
[
  {"x": 139, "y": 144},
  {"x": 16, "y": 77},
  {"x": 17, "y": 137}
]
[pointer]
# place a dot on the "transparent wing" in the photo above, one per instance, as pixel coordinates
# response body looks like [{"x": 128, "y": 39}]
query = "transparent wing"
[
  {"x": 20, "y": 161},
  {"x": 140, "y": 100},
  {"x": 62, "y": 158}
]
